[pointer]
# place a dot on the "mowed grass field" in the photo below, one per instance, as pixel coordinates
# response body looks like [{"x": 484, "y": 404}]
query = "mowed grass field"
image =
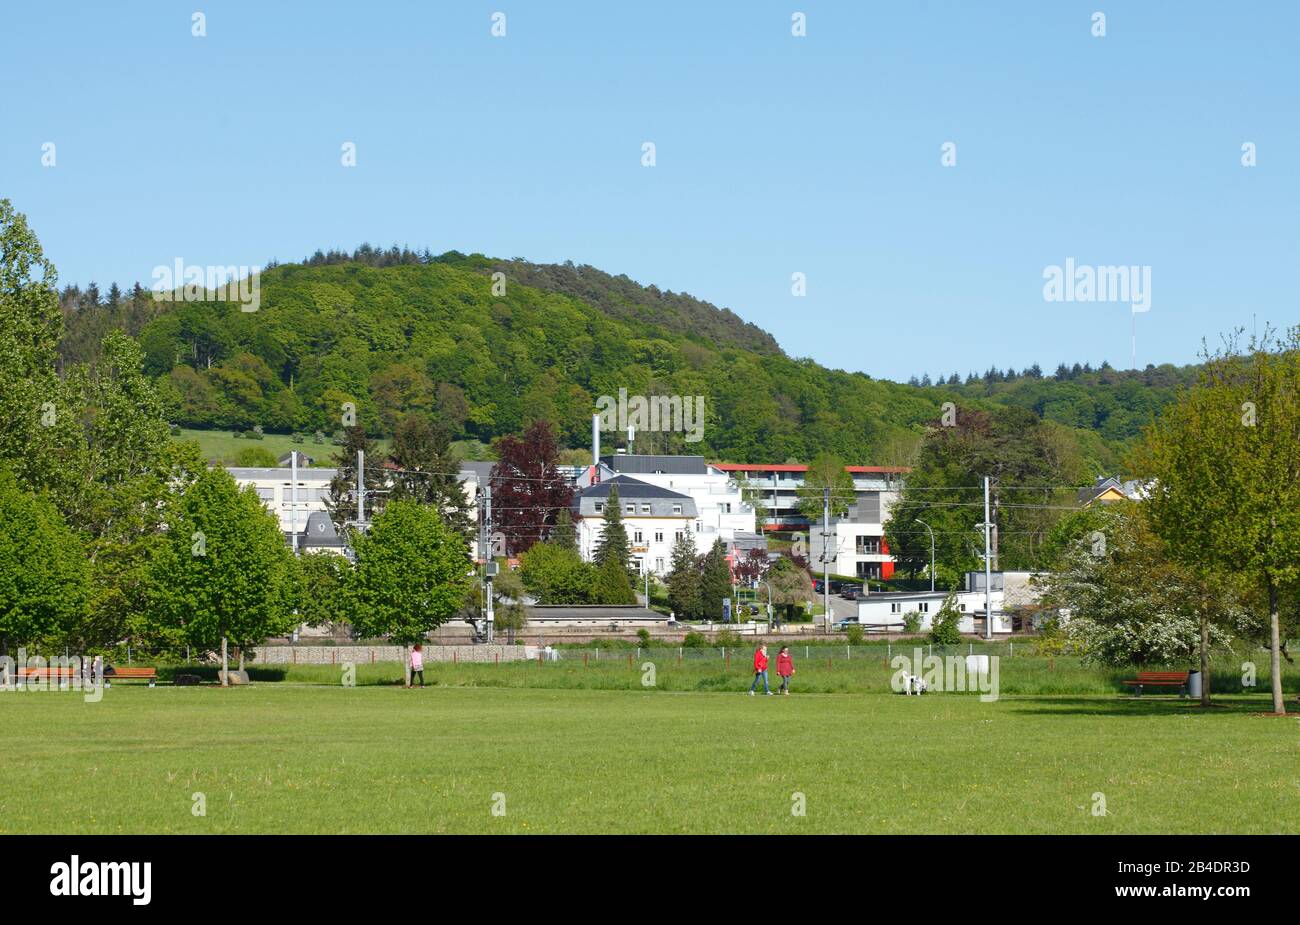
[
  {"x": 224, "y": 446},
  {"x": 300, "y": 758}
]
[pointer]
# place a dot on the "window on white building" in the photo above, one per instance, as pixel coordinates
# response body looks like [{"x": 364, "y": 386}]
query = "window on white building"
[
  {"x": 636, "y": 537},
  {"x": 659, "y": 565},
  {"x": 267, "y": 494},
  {"x": 659, "y": 536},
  {"x": 629, "y": 508},
  {"x": 645, "y": 508},
  {"x": 895, "y": 607},
  {"x": 600, "y": 507},
  {"x": 677, "y": 508},
  {"x": 925, "y": 608}
]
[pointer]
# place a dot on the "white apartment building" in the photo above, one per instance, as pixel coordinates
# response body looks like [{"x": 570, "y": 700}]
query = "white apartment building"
[
  {"x": 273, "y": 486},
  {"x": 654, "y": 518},
  {"x": 857, "y": 545},
  {"x": 721, "y": 510}
]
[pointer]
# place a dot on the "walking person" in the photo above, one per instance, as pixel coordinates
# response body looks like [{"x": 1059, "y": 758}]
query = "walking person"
[
  {"x": 417, "y": 664},
  {"x": 784, "y": 668},
  {"x": 760, "y": 670}
]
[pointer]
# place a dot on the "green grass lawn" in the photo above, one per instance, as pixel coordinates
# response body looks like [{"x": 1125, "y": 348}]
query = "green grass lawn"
[
  {"x": 292, "y": 757},
  {"x": 222, "y": 445},
  {"x": 824, "y": 670}
]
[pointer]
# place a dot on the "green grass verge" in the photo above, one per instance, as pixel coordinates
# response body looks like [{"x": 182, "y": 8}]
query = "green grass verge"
[{"x": 299, "y": 758}]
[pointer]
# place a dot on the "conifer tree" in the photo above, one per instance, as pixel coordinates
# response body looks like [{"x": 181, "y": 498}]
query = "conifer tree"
[
  {"x": 613, "y": 538},
  {"x": 612, "y": 585},
  {"x": 684, "y": 579},
  {"x": 565, "y": 534},
  {"x": 715, "y": 581}
]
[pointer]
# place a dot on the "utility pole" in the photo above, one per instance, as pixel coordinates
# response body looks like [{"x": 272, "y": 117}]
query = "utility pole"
[
  {"x": 293, "y": 498},
  {"x": 361, "y": 490},
  {"x": 826, "y": 559},
  {"x": 489, "y": 562},
  {"x": 483, "y": 549},
  {"x": 988, "y": 566}
]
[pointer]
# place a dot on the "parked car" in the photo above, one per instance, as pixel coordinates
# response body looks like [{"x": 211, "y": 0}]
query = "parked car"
[
  {"x": 841, "y": 625},
  {"x": 851, "y": 592}
]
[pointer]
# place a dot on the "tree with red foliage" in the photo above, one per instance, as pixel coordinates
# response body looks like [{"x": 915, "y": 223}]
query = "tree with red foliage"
[
  {"x": 751, "y": 566},
  {"x": 528, "y": 491}
]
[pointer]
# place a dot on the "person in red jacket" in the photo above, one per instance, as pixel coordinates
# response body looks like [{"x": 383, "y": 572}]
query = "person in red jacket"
[
  {"x": 785, "y": 668},
  {"x": 760, "y": 670}
]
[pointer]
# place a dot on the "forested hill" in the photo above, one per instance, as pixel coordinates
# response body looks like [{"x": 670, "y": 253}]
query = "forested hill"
[
  {"x": 397, "y": 332},
  {"x": 620, "y": 297}
]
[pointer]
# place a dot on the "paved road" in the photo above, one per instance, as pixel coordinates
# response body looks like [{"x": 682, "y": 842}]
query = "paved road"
[{"x": 842, "y": 608}]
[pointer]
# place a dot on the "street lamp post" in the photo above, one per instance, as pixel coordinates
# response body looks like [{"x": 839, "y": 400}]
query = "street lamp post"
[{"x": 927, "y": 526}]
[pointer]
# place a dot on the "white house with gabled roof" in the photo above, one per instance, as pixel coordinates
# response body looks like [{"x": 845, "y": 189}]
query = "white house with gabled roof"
[{"x": 653, "y": 516}]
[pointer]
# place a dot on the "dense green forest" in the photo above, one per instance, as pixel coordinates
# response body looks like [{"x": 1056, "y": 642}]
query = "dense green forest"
[{"x": 395, "y": 331}]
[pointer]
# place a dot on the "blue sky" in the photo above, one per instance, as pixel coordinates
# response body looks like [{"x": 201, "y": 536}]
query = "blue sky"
[{"x": 775, "y": 155}]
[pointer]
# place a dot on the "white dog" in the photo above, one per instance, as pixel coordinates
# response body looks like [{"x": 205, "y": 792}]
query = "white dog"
[{"x": 914, "y": 684}]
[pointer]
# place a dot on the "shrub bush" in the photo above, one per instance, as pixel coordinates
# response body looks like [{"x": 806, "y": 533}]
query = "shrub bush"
[
  {"x": 944, "y": 630},
  {"x": 728, "y": 639}
]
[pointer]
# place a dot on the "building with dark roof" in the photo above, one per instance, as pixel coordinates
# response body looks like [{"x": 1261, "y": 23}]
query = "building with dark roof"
[
  {"x": 653, "y": 516},
  {"x": 319, "y": 535}
]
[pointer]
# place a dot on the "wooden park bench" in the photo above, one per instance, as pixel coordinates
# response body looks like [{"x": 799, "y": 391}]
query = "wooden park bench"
[
  {"x": 55, "y": 673},
  {"x": 131, "y": 674},
  {"x": 1160, "y": 679}
]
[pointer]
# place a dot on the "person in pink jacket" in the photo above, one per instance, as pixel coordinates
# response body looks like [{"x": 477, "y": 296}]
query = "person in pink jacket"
[{"x": 417, "y": 664}]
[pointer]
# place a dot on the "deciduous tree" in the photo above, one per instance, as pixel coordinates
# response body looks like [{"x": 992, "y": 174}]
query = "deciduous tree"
[
  {"x": 528, "y": 491},
  {"x": 224, "y": 573},
  {"x": 44, "y": 577},
  {"x": 428, "y": 472},
  {"x": 412, "y": 574},
  {"x": 1224, "y": 469}
]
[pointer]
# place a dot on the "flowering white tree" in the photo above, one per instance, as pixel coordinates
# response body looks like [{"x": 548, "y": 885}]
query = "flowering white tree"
[{"x": 1128, "y": 603}]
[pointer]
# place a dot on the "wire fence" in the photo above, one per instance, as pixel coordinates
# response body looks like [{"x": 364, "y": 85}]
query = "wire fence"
[
  {"x": 823, "y": 652},
  {"x": 809, "y": 651}
]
